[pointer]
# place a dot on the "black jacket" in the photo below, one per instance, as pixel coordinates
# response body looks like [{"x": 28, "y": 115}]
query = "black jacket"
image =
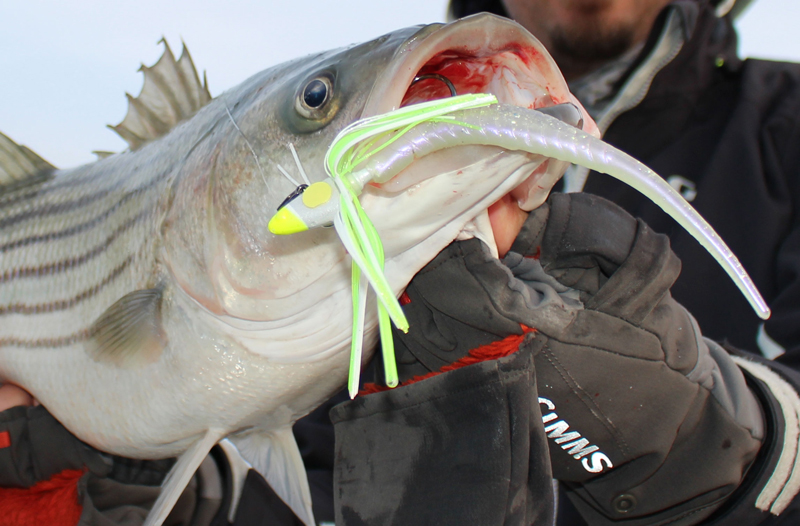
[{"x": 731, "y": 127}]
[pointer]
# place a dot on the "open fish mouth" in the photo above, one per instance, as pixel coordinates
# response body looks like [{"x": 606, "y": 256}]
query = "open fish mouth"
[{"x": 478, "y": 54}]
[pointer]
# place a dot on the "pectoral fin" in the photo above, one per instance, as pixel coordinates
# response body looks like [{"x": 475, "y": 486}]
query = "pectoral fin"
[
  {"x": 275, "y": 456},
  {"x": 179, "y": 476},
  {"x": 129, "y": 332}
]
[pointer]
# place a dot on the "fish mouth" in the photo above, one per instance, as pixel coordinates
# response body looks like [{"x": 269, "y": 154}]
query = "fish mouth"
[
  {"x": 479, "y": 54},
  {"x": 482, "y": 53}
]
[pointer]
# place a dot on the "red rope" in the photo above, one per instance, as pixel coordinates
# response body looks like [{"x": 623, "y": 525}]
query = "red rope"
[{"x": 491, "y": 351}]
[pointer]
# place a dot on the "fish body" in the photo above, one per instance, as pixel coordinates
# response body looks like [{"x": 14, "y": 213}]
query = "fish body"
[
  {"x": 146, "y": 304},
  {"x": 253, "y": 325}
]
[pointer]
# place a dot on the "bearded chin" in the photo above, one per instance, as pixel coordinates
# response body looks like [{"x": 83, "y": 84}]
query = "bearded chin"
[{"x": 587, "y": 45}]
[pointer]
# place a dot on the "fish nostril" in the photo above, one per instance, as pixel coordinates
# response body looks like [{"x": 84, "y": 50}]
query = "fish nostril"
[{"x": 436, "y": 76}]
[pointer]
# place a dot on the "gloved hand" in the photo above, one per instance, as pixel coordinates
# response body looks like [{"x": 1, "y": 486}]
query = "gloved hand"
[{"x": 647, "y": 421}]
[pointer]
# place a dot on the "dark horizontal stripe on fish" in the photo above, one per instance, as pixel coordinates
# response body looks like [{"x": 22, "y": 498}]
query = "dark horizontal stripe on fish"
[
  {"x": 58, "y": 208},
  {"x": 43, "y": 308},
  {"x": 54, "y": 208},
  {"x": 37, "y": 186},
  {"x": 70, "y": 263},
  {"x": 27, "y": 188},
  {"x": 73, "y": 230},
  {"x": 63, "y": 341}
]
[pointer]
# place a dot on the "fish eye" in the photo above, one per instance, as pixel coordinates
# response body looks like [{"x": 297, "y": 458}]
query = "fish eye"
[
  {"x": 315, "y": 93},
  {"x": 314, "y": 96}
]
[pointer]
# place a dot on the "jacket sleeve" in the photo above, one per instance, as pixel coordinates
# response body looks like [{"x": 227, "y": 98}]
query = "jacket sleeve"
[
  {"x": 48, "y": 476},
  {"x": 768, "y": 496},
  {"x": 35, "y": 446},
  {"x": 780, "y": 143}
]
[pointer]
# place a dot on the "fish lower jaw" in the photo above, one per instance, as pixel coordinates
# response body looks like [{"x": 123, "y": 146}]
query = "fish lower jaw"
[
  {"x": 522, "y": 183},
  {"x": 417, "y": 223}
]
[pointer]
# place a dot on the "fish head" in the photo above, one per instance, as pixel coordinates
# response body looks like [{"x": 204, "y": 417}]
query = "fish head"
[{"x": 218, "y": 244}]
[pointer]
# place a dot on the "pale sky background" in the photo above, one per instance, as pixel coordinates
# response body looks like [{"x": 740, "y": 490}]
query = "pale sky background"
[{"x": 65, "y": 66}]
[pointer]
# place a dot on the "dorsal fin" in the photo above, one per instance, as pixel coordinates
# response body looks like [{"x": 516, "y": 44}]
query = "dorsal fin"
[
  {"x": 18, "y": 162},
  {"x": 172, "y": 92}
]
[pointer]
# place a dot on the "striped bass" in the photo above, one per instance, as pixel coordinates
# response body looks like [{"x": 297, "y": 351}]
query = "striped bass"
[{"x": 143, "y": 299}]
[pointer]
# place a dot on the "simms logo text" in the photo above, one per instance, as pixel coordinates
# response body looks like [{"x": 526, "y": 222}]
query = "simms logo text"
[{"x": 592, "y": 459}]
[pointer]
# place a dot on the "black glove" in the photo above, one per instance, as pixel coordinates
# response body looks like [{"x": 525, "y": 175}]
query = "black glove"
[{"x": 647, "y": 421}]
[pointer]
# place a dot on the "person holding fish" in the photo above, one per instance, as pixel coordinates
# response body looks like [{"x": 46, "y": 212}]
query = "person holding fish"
[
  {"x": 155, "y": 310},
  {"x": 646, "y": 418}
]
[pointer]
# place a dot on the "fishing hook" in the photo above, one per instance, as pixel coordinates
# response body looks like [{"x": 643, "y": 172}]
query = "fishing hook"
[
  {"x": 436, "y": 76},
  {"x": 296, "y": 192}
]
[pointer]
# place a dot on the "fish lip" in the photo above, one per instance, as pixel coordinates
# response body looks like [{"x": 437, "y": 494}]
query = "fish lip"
[{"x": 481, "y": 34}]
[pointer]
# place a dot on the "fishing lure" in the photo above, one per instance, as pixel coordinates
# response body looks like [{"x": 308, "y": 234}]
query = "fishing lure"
[{"x": 335, "y": 201}]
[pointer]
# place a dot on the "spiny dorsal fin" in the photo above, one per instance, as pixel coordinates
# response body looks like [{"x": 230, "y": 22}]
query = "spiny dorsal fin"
[
  {"x": 129, "y": 332},
  {"x": 18, "y": 162},
  {"x": 172, "y": 92}
]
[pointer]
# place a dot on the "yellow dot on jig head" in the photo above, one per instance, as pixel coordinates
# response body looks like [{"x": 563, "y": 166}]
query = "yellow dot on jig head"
[{"x": 317, "y": 194}]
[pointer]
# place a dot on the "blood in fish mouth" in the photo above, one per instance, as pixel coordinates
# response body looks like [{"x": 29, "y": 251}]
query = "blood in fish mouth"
[{"x": 512, "y": 76}]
